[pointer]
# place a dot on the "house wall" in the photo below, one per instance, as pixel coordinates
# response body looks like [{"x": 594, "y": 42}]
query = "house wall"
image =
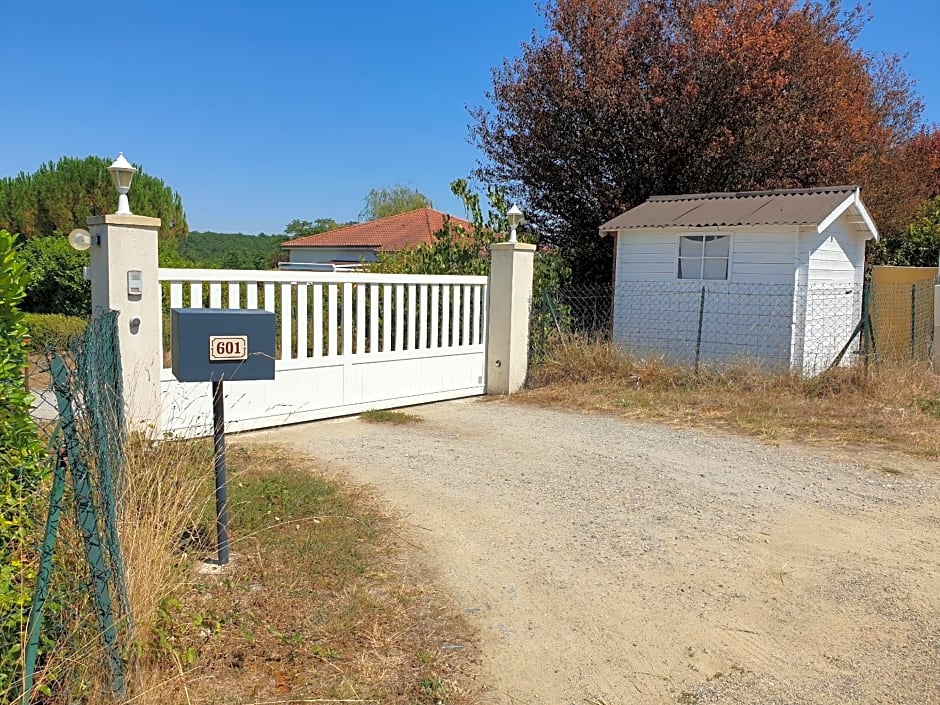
[
  {"x": 330, "y": 254},
  {"x": 830, "y": 303},
  {"x": 747, "y": 316}
]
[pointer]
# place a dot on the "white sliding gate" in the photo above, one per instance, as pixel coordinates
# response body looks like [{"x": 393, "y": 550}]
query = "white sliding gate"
[{"x": 345, "y": 343}]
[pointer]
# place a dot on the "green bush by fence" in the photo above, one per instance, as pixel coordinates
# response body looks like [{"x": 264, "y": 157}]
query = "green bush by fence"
[
  {"x": 53, "y": 330},
  {"x": 21, "y": 468}
]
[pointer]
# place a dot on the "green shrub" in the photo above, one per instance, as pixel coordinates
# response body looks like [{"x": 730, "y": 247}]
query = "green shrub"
[
  {"x": 53, "y": 330},
  {"x": 21, "y": 467},
  {"x": 56, "y": 282}
]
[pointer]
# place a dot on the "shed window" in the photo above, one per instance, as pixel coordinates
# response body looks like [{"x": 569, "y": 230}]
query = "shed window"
[{"x": 704, "y": 256}]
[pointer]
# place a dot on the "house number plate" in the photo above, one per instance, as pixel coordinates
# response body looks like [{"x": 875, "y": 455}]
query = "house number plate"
[{"x": 228, "y": 347}]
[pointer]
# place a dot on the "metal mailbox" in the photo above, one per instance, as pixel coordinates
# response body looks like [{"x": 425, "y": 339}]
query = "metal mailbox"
[{"x": 215, "y": 344}]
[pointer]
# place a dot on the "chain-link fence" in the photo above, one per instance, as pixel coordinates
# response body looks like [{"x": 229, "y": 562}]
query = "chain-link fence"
[
  {"x": 902, "y": 321},
  {"x": 778, "y": 326},
  {"x": 78, "y": 408},
  {"x": 583, "y": 310}
]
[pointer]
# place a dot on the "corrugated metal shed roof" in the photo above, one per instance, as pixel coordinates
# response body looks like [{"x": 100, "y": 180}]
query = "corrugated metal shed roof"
[{"x": 812, "y": 206}]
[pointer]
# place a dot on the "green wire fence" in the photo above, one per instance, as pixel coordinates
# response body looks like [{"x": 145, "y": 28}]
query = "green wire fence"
[{"x": 78, "y": 403}]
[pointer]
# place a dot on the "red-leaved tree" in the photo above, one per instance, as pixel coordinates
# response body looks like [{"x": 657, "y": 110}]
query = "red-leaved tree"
[{"x": 624, "y": 99}]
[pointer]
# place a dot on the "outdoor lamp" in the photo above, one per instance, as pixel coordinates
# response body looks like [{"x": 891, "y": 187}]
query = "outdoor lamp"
[
  {"x": 80, "y": 239},
  {"x": 514, "y": 215},
  {"x": 122, "y": 173}
]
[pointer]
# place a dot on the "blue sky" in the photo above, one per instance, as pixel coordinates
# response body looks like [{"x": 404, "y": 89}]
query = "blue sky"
[{"x": 261, "y": 112}]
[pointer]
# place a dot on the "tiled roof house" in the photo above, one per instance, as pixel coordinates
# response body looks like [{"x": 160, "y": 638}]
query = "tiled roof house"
[{"x": 362, "y": 242}]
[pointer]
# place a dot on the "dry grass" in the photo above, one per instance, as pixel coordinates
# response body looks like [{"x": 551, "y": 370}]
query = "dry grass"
[
  {"x": 894, "y": 408},
  {"x": 320, "y": 602},
  {"x": 164, "y": 490}
]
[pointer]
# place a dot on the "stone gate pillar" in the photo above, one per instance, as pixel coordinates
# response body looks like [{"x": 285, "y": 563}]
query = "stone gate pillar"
[
  {"x": 124, "y": 278},
  {"x": 510, "y": 294}
]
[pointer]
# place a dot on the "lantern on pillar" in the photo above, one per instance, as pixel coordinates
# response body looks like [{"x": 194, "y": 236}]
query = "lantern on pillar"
[
  {"x": 514, "y": 216},
  {"x": 122, "y": 173}
]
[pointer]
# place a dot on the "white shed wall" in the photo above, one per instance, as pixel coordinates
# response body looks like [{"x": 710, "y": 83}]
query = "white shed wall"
[
  {"x": 647, "y": 256},
  {"x": 835, "y": 256},
  {"x": 748, "y": 316},
  {"x": 830, "y": 304},
  {"x": 330, "y": 254},
  {"x": 763, "y": 256}
]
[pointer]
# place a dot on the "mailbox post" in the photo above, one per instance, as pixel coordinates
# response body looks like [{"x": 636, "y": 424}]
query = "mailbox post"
[{"x": 219, "y": 345}]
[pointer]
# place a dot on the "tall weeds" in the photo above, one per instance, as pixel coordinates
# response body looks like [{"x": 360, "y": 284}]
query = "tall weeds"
[
  {"x": 895, "y": 406},
  {"x": 165, "y": 490}
]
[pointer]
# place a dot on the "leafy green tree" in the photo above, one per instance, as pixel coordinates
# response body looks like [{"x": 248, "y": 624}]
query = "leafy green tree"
[
  {"x": 392, "y": 200},
  {"x": 300, "y": 228},
  {"x": 920, "y": 245},
  {"x": 21, "y": 468},
  {"x": 62, "y": 195},
  {"x": 56, "y": 281},
  {"x": 455, "y": 250},
  {"x": 458, "y": 250}
]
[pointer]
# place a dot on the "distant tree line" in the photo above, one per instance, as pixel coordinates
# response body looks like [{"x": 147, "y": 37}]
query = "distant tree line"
[{"x": 211, "y": 250}]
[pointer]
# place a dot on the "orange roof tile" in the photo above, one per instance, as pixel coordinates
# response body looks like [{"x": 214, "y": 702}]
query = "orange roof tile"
[{"x": 391, "y": 234}]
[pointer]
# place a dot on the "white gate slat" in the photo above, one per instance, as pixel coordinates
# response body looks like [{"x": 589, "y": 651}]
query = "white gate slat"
[
  {"x": 465, "y": 340},
  {"x": 286, "y": 318},
  {"x": 347, "y": 319},
  {"x": 423, "y": 315},
  {"x": 412, "y": 304},
  {"x": 195, "y": 295},
  {"x": 317, "y": 320},
  {"x": 332, "y": 324},
  {"x": 269, "y": 304},
  {"x": 455, "y": 318},
  {"x": 373, "y": 318},
  {"x": 302, "y": 321},
  {"x": 176, "y": 294},
  {"x": 251, "y": 295},
  {"x": 387, "y": 318},
  {"x": 399, "y": 317},
  {"x": 234, "y": 294},
  {"x": 215, "y": 295},
  {"x": 445, "y": 316},
  {"x": 434, "y": 314},
  {"x": 476, "y": 315},
  {"x": 360, "y": 319},
  {"x": 484, "y": 307}
]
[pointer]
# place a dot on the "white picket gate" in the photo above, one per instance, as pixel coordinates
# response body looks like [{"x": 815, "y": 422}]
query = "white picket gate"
[{"x": 346, "y": 342}]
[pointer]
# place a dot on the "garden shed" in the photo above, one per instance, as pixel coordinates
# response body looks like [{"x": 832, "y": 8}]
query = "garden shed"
[{"x": 774, "y": 277}]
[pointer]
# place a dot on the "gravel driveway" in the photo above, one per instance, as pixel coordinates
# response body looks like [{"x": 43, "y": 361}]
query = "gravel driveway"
[{"x": 635, "y": 563}]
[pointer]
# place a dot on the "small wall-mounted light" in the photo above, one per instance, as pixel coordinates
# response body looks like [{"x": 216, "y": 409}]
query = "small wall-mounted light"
[
  {"x": 122, "y": 173},
  {"x": 515, "y": 218},
  {"x": 80, "y": 239}
]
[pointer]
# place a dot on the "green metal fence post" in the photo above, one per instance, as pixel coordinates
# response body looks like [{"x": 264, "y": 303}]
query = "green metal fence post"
[
  {"x": 87, "y": 518},
  {"x": 698, "y": 336},
  {"x": 108, "y": 455},
  {"x": 913, "y": 322},
  {"x": 44, "y": 577}
]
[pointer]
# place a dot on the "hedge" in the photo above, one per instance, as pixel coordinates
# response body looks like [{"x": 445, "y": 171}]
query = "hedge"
[{"x": 53, "y": 330}]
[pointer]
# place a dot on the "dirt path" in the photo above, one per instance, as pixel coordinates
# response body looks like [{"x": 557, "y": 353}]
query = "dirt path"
[{"x": 644, "y": 564}]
